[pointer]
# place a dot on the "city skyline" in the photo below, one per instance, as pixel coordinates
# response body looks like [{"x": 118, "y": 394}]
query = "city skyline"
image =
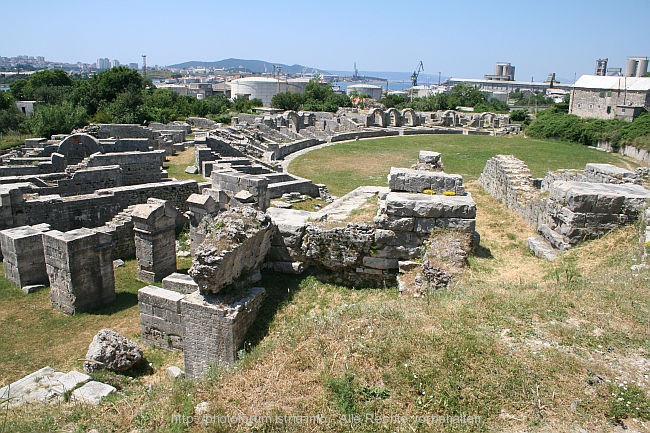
[{"x": 377, "y": 36}]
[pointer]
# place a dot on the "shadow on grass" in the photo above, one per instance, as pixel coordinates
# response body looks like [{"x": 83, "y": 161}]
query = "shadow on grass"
[
  {"x": 280, "y": 290},
  {"x": 482, "y": 252},
  {"x": 123, "y": 301}
]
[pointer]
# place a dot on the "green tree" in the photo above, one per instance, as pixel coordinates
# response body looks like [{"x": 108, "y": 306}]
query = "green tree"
[
  {"x": 393, "y": 101},
  {"x": 467, "y": 96},
  {"x": 57, "y": 119},
  {"x": 287, "y": 101},
  {"x": 103, "y": 88},
  {"x": 10, "y": 116}
]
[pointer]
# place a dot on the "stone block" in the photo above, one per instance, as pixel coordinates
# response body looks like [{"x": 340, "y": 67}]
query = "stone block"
[
  {"x": 80, "y": 269},
  {"x": 405, "y": 205},
  {"x": 214, "y": 327},
  {"x": 541, "y": 247},
  {"x": 409, "y": 180},
  {"x": 155, "y": 241},
  {"x": 92, "y": 392},
  {"x": 181, "y": 283},
  {"x": 23, "y": 257},
  {"x": 380, "y": 263},
  {"x": 428, "y": 157},
  {"x": 160, "y": 317}
]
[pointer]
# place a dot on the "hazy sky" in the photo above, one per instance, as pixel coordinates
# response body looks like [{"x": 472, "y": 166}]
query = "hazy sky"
[{"x": 457, "y": 38}]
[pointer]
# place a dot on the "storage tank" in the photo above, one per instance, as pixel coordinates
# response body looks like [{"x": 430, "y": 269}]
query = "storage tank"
[
  {"x": 265, "y": 88},
  {"x": 371, "y": 90},
  {"x": 642, "y": 67},
  {"x": 630, "y": 67}
]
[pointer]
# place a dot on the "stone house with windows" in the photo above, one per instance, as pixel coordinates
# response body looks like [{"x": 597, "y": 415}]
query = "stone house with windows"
[{"x": 604, "y": 97}]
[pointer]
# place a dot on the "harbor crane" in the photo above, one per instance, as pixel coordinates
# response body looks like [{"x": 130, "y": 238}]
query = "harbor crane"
[{"x": 414, "y": 78}]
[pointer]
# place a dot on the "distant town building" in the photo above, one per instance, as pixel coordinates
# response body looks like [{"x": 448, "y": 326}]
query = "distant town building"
[
  {"x": 103, "y": 63},
  {"x": 114, "y": 63},
  {"x": 603, "y": 97},
  {"x": 133, "y": 66}
]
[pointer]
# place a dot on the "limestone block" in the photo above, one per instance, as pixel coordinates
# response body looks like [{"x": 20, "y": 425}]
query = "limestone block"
[
  {"x": 160, "y": 317},
  {"x": 181, "y": 283},
  {"x": 92, "y": 392},
  {"x": 541, "y": 247},
  {"x": 380, "y": 263},
  {"x": 393, "y": 223},
  {"x": 80, "y": 269},
  {"x": 214, "y": 327},
  {"x": 401, "y": 204},
  {"x": 409, "y": 180},
  {"x": 23, "y": 257},
  {"x": 428, "y": 157},
  {"x": 238, "y": 243}
]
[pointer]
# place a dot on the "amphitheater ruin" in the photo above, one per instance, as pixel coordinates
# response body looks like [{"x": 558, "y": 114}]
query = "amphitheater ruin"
[{"x": 72, "y": 205}]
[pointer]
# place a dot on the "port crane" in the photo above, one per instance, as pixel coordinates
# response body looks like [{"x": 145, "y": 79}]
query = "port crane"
[{"x": 414, "y": 78}]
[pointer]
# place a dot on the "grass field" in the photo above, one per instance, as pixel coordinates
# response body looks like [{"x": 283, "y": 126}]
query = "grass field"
[
  {"x": 367, "y": 162},
  {"x": 518, "y": 343}
]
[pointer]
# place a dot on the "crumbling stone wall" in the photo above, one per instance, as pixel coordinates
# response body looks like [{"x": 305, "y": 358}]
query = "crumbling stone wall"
[
  {"x": 233, "y": 250},
  {"x": 90, "y": 210},
  {"x": 580, "y": 205},
  {"x": 137, "y": 167}
]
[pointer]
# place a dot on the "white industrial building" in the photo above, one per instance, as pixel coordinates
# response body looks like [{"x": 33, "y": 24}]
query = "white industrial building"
[
  {"x": 372, "y": 90},
  {"x": 265, "y": 88}
]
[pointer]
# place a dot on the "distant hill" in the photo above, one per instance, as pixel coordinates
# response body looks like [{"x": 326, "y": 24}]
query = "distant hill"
[{"x": 252, "y": 66}]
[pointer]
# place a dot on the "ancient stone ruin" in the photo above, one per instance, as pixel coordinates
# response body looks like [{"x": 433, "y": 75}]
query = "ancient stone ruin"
[
  {"x": 424, "y": 214},
  {"x": 566, "y": 207}
]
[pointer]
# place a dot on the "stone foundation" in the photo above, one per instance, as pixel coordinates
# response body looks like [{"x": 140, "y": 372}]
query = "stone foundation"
[
  {"x": 214, "y": 327},
  {"x": 160, "y": 317},
  {"x": 80, "y": 269},
  {"x": 22, "y": 252}
]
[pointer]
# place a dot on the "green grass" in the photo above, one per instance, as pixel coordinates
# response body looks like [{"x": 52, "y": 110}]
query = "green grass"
[
  {"x": 176, "y": 165},
  {"x": 8, "y": 141},
  {"x": 367, "y": 162}
]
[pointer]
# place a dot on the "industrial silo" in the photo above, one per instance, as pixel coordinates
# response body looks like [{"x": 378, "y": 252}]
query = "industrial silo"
[
  {"x": 371, "y": 90},
  {"x": 263, "y": 88}
]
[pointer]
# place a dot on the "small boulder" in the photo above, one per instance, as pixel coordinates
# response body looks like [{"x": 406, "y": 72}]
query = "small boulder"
[
  {"x": 111, "y": 351},
  {"x": 175, "y": 372},
  {"x": 192, "y": 169}
]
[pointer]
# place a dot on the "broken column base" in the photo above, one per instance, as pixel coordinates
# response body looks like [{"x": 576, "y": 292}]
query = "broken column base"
[{"x": 214, "y": 326}]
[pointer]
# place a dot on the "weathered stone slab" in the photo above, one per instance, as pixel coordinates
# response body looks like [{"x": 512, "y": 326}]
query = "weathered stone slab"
[
  {"x": 92, "y": 392},
  {"x": 541, "y": 247},
  {"x": 181, "y": 283},
  {"x": 409, "y": 180},
  {"x": 402, "y": 204}
]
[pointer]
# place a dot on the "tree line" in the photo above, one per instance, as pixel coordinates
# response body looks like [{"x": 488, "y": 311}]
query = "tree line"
[{"x": 117, "y": 95}]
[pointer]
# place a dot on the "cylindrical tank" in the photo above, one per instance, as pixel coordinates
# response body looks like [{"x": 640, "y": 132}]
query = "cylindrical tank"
[
  {"x": 265, "y": 88},
  {"x": 631, "y": 67},
  {"x": 371, "y": 90},
  {"x": 642, "y": 67}
]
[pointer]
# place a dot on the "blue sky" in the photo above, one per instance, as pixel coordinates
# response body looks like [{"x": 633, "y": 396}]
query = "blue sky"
[{"x": 456, "y": 38}]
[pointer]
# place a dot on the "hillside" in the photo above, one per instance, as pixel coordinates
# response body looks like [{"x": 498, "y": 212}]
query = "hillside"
[{"x": 241, "y": 65}]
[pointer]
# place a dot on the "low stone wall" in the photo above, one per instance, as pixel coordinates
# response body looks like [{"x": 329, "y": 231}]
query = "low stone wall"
[
  {"x": 137, "y": 167},
  {"x": 90, "y": 210},
  {"x": 508, "y": 179},
  {"x": 580, "y": 205},
  {"x": 296, "y": 146}
]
